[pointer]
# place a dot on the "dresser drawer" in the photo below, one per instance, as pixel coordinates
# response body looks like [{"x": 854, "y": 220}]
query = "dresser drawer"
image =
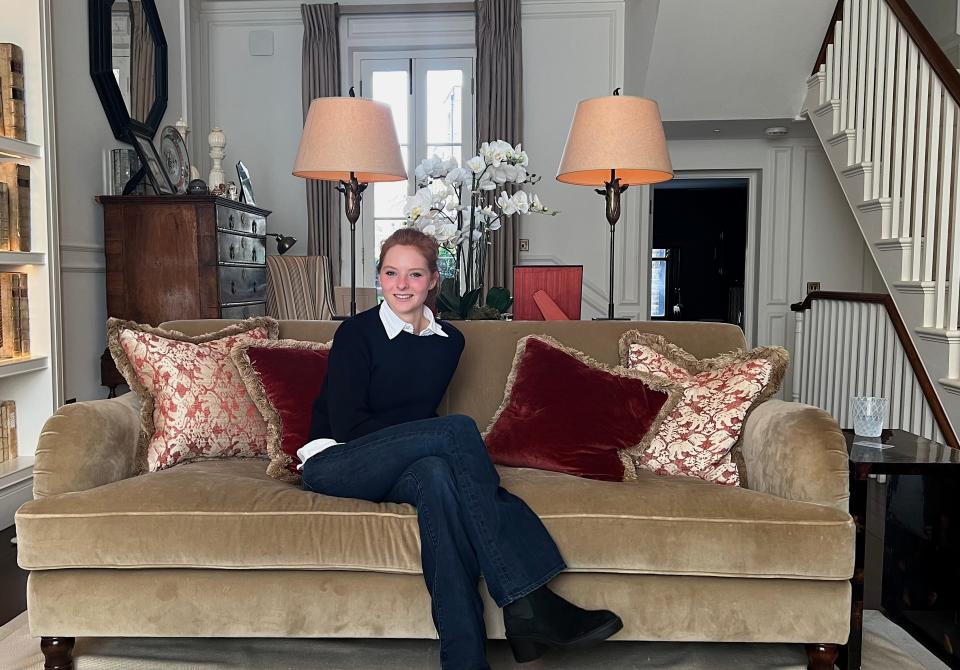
[
  {"x": 244, "y": 222},
  {"x": 244, "y": 311},
  {"x": 239, "y": 284},
  {"x": 241, "y": 248}
]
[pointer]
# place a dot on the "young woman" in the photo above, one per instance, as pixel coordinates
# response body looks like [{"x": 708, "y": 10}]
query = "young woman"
[{"x": 376, "y": 436}]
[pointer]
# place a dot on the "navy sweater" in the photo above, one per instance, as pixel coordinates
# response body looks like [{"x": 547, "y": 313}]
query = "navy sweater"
[{"x": 374, "y": 382}]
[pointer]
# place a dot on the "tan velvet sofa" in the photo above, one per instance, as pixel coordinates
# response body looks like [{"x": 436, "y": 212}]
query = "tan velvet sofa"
[{"x": 219, "y": 549}]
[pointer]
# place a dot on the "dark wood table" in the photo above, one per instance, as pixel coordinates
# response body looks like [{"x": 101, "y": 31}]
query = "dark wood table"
[{"x": 903, "y": 454}]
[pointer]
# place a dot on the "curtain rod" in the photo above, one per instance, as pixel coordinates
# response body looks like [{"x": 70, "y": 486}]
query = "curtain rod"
[{"x": 434, "y": 8}]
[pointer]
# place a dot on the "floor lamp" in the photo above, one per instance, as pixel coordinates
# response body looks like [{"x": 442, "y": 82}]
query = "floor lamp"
[
  {"x": 351, "y": 141},
  {"x": 615, "y": 142}
]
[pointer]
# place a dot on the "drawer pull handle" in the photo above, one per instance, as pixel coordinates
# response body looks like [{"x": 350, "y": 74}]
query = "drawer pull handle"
[
  {"x": 232, "y": 253},
  {"x": 230, "y": 222},
  {"x": 233, "y": 287},
  {"x": 254, "y": 254}
]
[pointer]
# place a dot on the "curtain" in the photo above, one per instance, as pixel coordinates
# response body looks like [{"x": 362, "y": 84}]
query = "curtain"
[
  {"x": 321, "y": 79},
  {"x": 142, "y": 64},
  {"x": 500, "y": 112}
]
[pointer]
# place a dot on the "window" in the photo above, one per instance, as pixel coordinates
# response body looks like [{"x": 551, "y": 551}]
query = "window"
[
  {"x": 658, "y": 282},
  {"x": 432, "y": 104}
]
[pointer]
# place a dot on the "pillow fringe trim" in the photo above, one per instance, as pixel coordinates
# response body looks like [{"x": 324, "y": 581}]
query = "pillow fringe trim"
[
  {"x": 126, "y": 369},
  {"x": 778, "y": 357},
  {"x": 280, "y": 461},
  {"x": 673, "y": 392}
]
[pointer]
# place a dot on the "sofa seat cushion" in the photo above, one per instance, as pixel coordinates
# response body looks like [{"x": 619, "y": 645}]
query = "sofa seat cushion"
[{"x": 230, "y": 514}]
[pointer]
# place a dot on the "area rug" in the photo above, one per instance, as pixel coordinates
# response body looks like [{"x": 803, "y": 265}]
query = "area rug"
[{"x": 886, "y": 647}]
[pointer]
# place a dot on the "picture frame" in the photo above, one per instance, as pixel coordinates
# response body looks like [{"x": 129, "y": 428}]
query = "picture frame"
[
  {"x": 151, "y": 164},
  {"x": 246, "y": 186}
]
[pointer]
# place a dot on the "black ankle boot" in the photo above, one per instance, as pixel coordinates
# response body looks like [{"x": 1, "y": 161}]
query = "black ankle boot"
[{"x": 542, "y": 620}]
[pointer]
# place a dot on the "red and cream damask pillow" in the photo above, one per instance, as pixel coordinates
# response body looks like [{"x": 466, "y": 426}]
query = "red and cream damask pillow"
[
  {"x": 283, "y": 378},
  {"x": 697, "y": 438},
  {"x": 566, "y": 412},
  {"x": 194, "y": 405}
]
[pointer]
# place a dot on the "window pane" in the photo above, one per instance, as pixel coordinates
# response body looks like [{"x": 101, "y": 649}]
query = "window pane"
[
  {"x": 447, "y": 263},
  {"x": 382, "y": 229},
  {"x": 444, "y": 100},
  {"x": 658, "y": 287},
  {"x": 392, "y": 88},
  {"x": 388, "y": 198},
  {"x": 445, "y": 151},
  {"x": 659, "y": 253}
]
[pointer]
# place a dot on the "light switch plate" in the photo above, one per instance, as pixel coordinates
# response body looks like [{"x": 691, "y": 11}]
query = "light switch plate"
[
  {"x": 813, "y": 286},
  {"x": 524, "y": 244}
]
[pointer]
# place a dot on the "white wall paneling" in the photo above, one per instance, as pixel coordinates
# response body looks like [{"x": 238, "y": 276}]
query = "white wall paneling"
[
  {"x": 573, "y": 51},
  {"x": 83, "y": 135}
]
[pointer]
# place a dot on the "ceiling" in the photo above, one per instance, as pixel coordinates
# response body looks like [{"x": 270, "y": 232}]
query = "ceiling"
[{"x": 733, "y": 59}]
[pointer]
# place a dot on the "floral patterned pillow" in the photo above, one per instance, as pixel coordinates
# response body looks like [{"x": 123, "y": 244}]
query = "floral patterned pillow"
[
  {"x": 194, "y": 405},
  {"x": 698, "y": 438}
]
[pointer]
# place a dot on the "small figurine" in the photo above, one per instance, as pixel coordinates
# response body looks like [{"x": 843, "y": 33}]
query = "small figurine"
[{"x": 233, "y": 191}]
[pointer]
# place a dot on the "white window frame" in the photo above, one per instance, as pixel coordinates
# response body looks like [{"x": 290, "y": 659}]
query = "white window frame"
[{"x": 416, "y": 61}]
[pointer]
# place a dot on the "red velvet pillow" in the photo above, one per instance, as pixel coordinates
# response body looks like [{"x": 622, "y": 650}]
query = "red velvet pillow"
[
  {"x": 283, "y": 378},
  {"x": 566, "y": 412}
]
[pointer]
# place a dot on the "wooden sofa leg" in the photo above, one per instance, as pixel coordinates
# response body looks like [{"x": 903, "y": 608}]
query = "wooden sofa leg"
[
  {"x": 57, "y": 653},
  {"x": 822, "y": 656}
]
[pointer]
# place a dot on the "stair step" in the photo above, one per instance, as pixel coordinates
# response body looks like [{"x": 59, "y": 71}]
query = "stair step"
[
  {"x": 952, "y": 385},
  {"x": 912, "y": 286},
  {"x": 843, "y": 144}
]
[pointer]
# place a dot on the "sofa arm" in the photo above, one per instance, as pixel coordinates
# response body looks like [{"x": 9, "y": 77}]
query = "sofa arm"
[
  {"x": 87, "y": 444},
  {"x": 798, "y": 452}
]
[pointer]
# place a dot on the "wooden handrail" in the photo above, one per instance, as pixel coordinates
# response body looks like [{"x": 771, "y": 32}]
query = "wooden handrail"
[
  {"x": 936, "y": 407},
  {"x": 914, "y": 26},
  {"x": 828, "y": 38}
]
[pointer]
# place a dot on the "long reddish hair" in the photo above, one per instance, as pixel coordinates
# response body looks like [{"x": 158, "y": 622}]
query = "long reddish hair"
[{"x": 426, "y": 245}]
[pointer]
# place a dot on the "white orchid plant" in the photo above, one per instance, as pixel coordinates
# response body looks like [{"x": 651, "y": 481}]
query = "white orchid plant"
[{"x": 452, "y": 205}]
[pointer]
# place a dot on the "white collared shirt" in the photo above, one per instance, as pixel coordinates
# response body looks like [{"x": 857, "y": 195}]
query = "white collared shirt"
[{"x": 393, "y": 325}]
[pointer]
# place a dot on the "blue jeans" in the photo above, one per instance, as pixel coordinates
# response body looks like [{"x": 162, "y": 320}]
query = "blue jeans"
[{"x": 469, "y": 524}]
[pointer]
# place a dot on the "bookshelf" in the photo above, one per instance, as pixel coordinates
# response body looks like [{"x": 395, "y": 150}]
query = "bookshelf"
[{"x": 34, "y": 381}]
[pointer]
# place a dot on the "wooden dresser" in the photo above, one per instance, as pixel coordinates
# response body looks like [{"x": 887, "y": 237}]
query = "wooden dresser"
[{"x": 184, "y": 257}]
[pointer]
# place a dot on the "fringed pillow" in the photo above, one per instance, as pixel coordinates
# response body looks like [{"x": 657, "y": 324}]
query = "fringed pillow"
[
  {"x": 566, "y": 412},
  {"x": 284, "y": 377},
  {"x": 699, "y": 436},
  {"x": 194, "y": 405}
]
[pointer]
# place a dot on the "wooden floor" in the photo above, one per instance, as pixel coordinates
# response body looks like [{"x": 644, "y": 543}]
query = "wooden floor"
[{"x": 13, "y": 580}]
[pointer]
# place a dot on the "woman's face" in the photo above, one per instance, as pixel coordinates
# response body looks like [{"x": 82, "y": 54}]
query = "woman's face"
[{"x": 406, "y": 280}]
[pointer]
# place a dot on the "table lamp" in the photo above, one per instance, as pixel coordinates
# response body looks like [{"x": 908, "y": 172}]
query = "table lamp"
[
  {"x": 616, "y": 141},
  {"x": 352, "y": 141}
]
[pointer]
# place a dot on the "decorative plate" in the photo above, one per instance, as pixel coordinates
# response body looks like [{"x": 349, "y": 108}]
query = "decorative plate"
[{"x": 176, "y": 161}]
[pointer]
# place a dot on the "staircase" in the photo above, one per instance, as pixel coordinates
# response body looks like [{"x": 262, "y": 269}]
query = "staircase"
[{"x": 884, "y": 102}]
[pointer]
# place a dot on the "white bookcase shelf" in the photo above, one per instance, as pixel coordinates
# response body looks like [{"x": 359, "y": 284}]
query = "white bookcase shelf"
[
  {"x": 14, "y": 150},
  {"x": 18, "y": 366},
  {"x": 33, "y": 382},
  {"x": 8, "y": 258}
]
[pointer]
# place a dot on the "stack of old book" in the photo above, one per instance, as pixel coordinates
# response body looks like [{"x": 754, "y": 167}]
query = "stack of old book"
[
  {"x": 14, "y": 315},
  {"x": 8, "y": 430},
  {"x": 13, "y": 117},
  {"x": 14, "y": 207}
]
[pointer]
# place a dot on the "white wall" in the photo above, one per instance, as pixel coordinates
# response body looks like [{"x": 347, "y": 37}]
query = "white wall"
[
  {"x": 572, "y": 50},
  {"x": 83, "y": 134}
]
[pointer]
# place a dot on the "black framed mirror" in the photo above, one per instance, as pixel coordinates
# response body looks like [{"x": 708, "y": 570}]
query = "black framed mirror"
[{"x": 128, "y": 65}]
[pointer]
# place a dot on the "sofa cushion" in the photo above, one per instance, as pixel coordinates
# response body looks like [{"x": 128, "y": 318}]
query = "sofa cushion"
[
  {"x": 193, "y": 404},
  {"x": 718, "y": 393},
  {"x": 231, "y": 514},
  {"x": 283, "y": 378},
  {"x": 557, "y": 413}
]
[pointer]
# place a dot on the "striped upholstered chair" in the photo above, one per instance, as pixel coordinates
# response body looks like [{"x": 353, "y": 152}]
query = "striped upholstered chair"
[{"x": 298, "y": 287}]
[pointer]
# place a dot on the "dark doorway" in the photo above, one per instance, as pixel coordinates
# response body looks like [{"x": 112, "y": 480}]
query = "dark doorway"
[{"x": 699, "y": 250}]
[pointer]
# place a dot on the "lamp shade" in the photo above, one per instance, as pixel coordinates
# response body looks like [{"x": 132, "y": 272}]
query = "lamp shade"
[
  {"x": 344, "y": 135},
  {"x": 616, "y": 132}
]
